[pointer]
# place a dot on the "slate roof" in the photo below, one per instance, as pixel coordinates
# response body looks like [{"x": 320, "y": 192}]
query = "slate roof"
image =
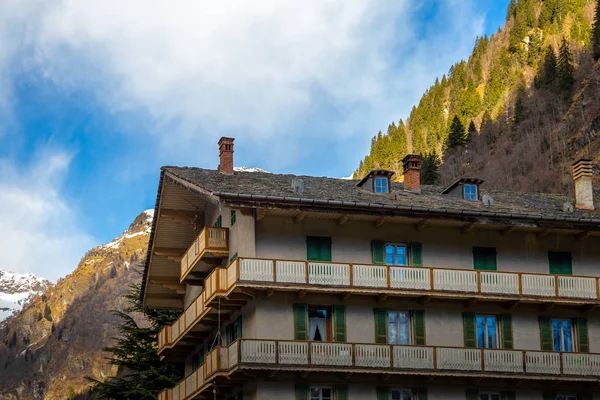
[{"x": 279, "y": 186}]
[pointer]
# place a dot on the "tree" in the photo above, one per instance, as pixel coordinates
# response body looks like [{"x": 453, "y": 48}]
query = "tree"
[
  {"x": 512, "y": 10},
  {"x": 519, "y": 107},
  {"x": 457, "y": 136},
  {"x": 596, "y": 32},
  {"x": 47, "y": 313},
  {"x": 430, "y": 166},
  {"x": 472, "y": 131},
  {"x": 566, "y": 71},
  {"x": 547, "y": 75},
  {"x": 144, "y": 374}
]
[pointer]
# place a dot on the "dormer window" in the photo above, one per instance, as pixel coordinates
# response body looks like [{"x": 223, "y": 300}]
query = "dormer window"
[
  {"x": 470, "y": 191},
  {"x": 382, "y": 184},
  {"x": 376, "y": 181},
  {"x": 467, "y": 188}
]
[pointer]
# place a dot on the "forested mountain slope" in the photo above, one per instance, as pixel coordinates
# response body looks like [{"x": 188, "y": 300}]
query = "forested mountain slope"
[{"x": 516, "y": 113}]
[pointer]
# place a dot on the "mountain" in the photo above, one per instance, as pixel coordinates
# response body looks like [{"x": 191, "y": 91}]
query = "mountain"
[
  {"x": 48, "y": 349},
  {"x": 521, "y": 108},
  {"x": 17, "y": 290}
]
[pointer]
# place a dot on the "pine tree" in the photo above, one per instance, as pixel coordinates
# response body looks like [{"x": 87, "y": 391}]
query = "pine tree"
[
  {"x": 145, "y": 375},
  {"x": 519, "y": 107},
  {"x": 457, "y": 135},
  {"x": 596, "y": 32},
  {"x": 486, "y": 119},
  {"x": 48, "y": 313},
  {"x": 512, "y": 10},
  {"x": 547, "y": 75},
  {"x": 566, "y": 71},
  {"x": 430, "y": 169},
  {"x": 471, "y": 132}
]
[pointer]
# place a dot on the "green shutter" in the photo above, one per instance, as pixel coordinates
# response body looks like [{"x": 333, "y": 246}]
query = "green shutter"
[
  {"x": 378, "y": 251},
  {"x": 218, "y": 222},
  {"x": 300, "y": 321},
  {"x": 233, "y": 217},
  {"x": 383, "y": 393},
  {"x": 507, "y": 334},
  {"x": 238, "y": 326},
  {"x": 380, "y": 325},
  {"x": 509, "y": 395},
  {"x": 545, "y": 334},
  {"x": 549, "y": 396},
  {"x": 416, "y": 254},
  {"x": 472, "y": 394},
  {"x": 325, "y": 249},
  {"x": 419, "y": 325},
  {"x": 560, "y": 262},
  {"x": 341, "y": 392},
  {"x": 484, "y": 258},
  {"x": 228, "y": 334},
  {"x": 581, "y": 325},
  {"x": 420, "y": 393},
  {"x": 318, "y": 248},
  {"x": 301, "y": 391},
  {"x": 339, "y": 323},
  {"x": 469, "y": 329}
]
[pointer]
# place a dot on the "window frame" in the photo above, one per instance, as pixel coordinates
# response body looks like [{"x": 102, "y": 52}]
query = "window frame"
[
  {"x": 475, "y": 193},
  {"x": 219, "y": 222},
  {"x": 328, "y": 322},
  {"x": 490, "y": 393},
  {"x": 562, "y": 339},
  {"x": 321, "y": 387},
  {"x": 376, "y": 180},
  {"x": 396, "y": 245},
  {"x": 485, "y": 336},
  {"x": 233, "y": 218},
  {"x": 411, "y": 325},
  {"x": 401, "y": 390}
]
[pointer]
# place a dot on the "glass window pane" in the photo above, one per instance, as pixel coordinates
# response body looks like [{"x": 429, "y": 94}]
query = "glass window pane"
[
  {"x": 389, "y": 254},
  {"x": 492, "y": 341},
  {"x": 406, "y": 395},
  {"x": 483, "y": 396},
  {"x": 556, "y": 335},
  {"x": 401, "y": 255},
  {"x": 567, "y": 335},
  {"x": 494, "y": 396},
  {"x": 396, "y": 395},
  {"x": 315, "y": 394},
  {"x": 393, "y": 327},
  {"x": 404, "y": 328},
  {"x": 480, "y": 331},
  {"x": 326, "y": 394}
]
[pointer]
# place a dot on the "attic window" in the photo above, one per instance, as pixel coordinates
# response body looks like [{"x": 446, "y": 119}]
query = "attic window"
[
  {"x": 382, "y": 184},
  {"x": 470, "y": 191}
]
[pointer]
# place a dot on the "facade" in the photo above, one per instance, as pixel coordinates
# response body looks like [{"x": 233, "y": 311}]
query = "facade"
[{"x": 326, "y": 289}]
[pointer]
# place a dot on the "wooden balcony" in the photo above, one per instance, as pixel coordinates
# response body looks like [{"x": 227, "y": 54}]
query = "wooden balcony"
[
  {"x": 303, "y": 357},
  {"x": 209, "y": 247}
]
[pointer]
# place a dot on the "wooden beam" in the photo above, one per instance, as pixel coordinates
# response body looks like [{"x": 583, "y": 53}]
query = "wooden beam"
[
  {"x": 583, "y": 235},
  {"x": 421, "y": 225},
  {"x": 424, "y": 299},
  {"x": 159, "y": 280},
  {"x": 508, "y": 230},
  {"x": 471, "y": 302},
  {"x": 467, "y": 228},
  {"x": 162, "y": 296},
  {"x": 512, "y": 304},
  {"x": 260, "y": 213},
  {"x": 547, "y": 306},
  {"x": 181, "y": 216},
  {"x": 342, "y": 220},
  {"x": 382, "y": 297},
  {"x": 169, "y": 252},
  {"x": 178, "y": 288},
  {"x": 543, "y": 233},
  {"x": 301, "y": 294},
  {"x": 346, "y": 296},
  {"x": 298, "y": 218},
  {"x": 380, "y": 222},
  {"x": 270, "y": 293}
]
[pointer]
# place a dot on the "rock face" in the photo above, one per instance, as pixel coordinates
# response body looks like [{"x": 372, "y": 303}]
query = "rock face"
[
  {"x": 49, "y": 348},
  {"x": 18, "y": 290}
]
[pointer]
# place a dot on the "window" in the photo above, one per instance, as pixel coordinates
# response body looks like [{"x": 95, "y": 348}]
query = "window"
[
  {"x": 560, "y": 262},
  {"x": 396, "y": 254},
  {"x": 489, "y": 396},
  {"x": 321, "y": 393},
  {"x": 218, "y": 222},
  {"x": 233, "y": 215},
  {"x": 197, "y": 360},
  {"x": 382, "y": 184},
  {"x": 562, "y": 334},
  {"x": 470, "y": 192},
  {"x": 318, "y": 248},
  {"x": 566, "y": 397},
  {"x": 484, "y": 258},
  {"x": 399, "y": 329},
  {"x": 233, "y": 331},
  {"x": 487, "y": 331},
  {"x": 402, "y": 394},
  {"x": 319, "y": 324}
]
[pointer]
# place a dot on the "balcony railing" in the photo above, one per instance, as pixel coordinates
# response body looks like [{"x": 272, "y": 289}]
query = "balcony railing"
[
  {"x": 171, "y": 334},
  {"x": 298, "y": 355},
  {"x": 515, "y": 285},
  {"x": 212, "y": 242}
]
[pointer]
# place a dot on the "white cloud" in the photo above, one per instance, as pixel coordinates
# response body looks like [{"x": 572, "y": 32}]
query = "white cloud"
[
  {"x": 38, "y": 229},
  {"x": 258, "y": 69}
]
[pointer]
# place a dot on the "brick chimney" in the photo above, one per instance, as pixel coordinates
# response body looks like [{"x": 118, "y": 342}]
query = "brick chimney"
[
  {"x": 582, "y": 176},
  {"x": 412, "y": 172},
  {"x": 226, "y": 155}
]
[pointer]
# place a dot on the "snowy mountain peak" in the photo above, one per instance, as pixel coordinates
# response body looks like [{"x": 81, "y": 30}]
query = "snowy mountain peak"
[
  {"x": 250, "y": 169},
  {"x": 17, "y": 289}
]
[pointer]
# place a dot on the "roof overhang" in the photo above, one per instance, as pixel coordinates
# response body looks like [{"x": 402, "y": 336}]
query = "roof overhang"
[{"x": 462, "y": 181}]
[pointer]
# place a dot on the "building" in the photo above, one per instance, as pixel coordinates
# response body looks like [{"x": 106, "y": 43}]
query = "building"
[{"x": 297, "y": 287}]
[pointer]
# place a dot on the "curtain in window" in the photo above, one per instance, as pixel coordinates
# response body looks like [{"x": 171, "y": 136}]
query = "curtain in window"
[{"x": 317, "y": 324}]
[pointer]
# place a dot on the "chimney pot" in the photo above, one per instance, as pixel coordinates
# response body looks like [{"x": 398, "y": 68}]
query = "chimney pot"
[
  {"x": 412, "y": 172},
  {"x": 226, "y": 155},
  {"x": 582, "y": 177}
]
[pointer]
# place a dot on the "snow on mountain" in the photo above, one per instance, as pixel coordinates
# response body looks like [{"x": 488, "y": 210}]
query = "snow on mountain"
[
  {"x": 141, "y": 226},
  {"x": 250, "y": 169},
  {"x": 17, "y": 289}
]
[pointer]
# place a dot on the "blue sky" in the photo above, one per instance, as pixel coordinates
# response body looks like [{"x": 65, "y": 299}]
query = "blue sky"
[{"x": 96, "y": 96}]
